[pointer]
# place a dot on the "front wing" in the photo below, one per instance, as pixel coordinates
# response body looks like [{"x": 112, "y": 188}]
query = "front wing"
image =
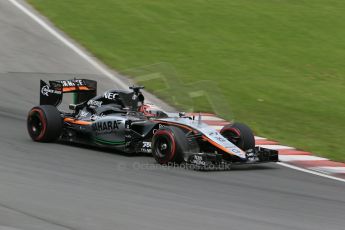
[{"x": 253, "y": 156}]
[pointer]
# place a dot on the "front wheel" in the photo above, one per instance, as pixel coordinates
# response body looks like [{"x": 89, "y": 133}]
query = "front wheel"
[
  {"x": 170, "y": 144},
  {"x": 240, "y": 135},
  {"x": 44, "y": 123}
]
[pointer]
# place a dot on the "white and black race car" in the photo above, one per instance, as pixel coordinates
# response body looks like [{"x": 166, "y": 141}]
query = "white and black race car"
[{"x": 121, "y": 120}]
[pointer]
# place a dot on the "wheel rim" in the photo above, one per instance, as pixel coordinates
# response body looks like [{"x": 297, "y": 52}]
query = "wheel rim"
[
  {"x": 163, "y": 148},
  {"x": 36, "y": 124}
]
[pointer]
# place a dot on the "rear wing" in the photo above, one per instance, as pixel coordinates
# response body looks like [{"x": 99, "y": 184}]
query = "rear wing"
[{"x": 51, "y": 94}]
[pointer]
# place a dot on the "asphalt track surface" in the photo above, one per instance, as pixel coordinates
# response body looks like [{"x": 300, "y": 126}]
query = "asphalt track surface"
[{"x": 55, "y": 186}]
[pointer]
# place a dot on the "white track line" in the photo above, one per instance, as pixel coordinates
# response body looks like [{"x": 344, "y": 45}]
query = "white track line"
[
  {"x": 311, "y": 172},
  {"x": 300, "y": 158},
  {"x": 328, "y": 169},
  {"x": 276, "y": 147},
  {"x": 109, "y": 74},
  {"x": 69, "y": 44}
]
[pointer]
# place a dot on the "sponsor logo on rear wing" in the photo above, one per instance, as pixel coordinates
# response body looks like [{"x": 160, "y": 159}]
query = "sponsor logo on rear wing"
[
  {"x": 75, "y": 82},
  {"x": 76, "y": 85},
  {"x": 46, "y": 91},
  {"x": 51, "y": 94}
]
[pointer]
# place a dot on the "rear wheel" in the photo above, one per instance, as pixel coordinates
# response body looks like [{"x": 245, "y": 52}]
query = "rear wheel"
[
  {"x": 240, "y": 135},
  {"x": 44, "y": 123},
  {"x": 170, "y": 144}
]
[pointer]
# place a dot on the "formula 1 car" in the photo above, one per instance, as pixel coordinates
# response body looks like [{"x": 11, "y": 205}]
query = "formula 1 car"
[{"x": 120, "y": 120}]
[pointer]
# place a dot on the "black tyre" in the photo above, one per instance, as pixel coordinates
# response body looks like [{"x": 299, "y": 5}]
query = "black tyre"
[
  {"x": 44, "y": 123},
  {"x": 170, "y": 144},
  {"x": 240, "y": 135}
]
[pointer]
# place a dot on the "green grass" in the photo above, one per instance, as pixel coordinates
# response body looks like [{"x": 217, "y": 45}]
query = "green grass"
[{"x": 279, "y": 63}]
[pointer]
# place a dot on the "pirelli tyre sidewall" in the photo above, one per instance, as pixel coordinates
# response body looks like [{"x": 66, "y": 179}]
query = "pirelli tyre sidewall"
[
  {"x": 240, "y": 135},
  {"x": 44, "y": 123},
  {"x": 167, "y": 145}
]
